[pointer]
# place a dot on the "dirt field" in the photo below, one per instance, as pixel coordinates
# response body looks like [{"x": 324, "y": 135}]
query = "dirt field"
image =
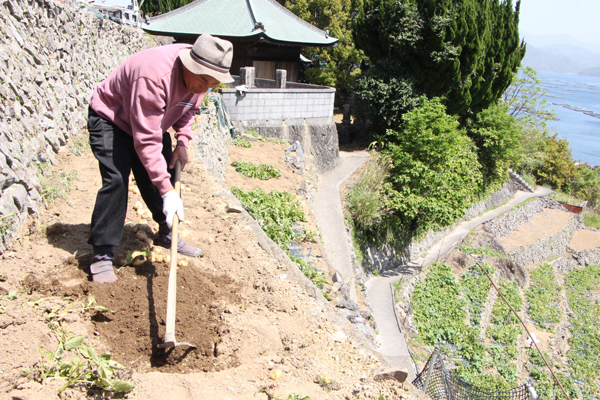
[{"x": 236, "y": 304}]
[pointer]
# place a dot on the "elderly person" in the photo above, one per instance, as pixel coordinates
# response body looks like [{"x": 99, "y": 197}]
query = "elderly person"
[{"x": 129, "y": 114}]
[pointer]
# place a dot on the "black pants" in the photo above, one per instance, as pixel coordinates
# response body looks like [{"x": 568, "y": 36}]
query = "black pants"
[{"x": 117, "y": 157}]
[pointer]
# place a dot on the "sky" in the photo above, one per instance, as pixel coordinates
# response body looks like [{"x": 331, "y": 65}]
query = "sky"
[{"x": 576, "y": 18}]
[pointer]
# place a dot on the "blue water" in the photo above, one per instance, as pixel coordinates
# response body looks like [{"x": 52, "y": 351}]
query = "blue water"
[{"x": 581, "y": 130}]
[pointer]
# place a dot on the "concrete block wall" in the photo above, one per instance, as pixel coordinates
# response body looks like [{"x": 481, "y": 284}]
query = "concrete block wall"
[{"x": 280, "y": 104}]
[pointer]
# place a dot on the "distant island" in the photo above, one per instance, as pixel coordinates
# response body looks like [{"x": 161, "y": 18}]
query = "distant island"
[{"x": 595, "y": 71}]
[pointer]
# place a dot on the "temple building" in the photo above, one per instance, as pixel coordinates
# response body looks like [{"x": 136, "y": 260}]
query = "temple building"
[{"x": 265, "y": 35}]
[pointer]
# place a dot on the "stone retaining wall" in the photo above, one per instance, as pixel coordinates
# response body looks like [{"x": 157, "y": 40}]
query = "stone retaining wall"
[{"x": 51, "y": 57}]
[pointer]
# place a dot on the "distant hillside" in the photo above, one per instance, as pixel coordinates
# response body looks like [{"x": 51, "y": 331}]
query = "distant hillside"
[
  {"x": 544, "y": 60},
  {"x": 595, "y": 71}
]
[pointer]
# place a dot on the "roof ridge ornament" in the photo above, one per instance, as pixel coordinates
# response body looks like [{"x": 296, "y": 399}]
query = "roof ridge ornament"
[{"x": 259, "y": 25}]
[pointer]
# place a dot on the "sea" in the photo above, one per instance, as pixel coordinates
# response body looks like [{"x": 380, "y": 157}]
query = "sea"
[{"x": 575, "y": 100}]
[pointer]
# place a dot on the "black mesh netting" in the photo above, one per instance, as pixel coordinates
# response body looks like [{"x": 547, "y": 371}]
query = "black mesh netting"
[{"x": 441, "y": 384}]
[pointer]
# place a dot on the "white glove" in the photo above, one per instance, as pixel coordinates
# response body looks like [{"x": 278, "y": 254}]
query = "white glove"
[{"x": 172, "y": 204}]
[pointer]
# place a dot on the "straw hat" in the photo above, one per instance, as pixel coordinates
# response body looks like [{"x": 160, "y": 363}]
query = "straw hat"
[{"x": 209, "y": 56}]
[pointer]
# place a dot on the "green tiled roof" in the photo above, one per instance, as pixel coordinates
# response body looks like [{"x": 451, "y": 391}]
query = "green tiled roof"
[{"x": 241, "y": 19}]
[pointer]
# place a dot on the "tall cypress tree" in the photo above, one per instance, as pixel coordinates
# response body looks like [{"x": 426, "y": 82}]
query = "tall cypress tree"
[{"x": 464, "y": 50}]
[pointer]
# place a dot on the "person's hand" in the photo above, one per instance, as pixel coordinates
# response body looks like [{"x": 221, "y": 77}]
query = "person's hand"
[
  {"x": 180, "y": 153},
  {"x": 172, "y": 204}
]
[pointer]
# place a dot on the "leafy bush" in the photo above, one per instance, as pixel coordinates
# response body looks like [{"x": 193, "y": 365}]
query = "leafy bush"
[
  {"x": 275, "y": 212},
  {"x": 543, "y": 298},
  {"x": 435, "y": 173},
  {"x": 586, "y": 186},
  {"x": 261, "y": 171},
  {"x": 558, "y": 167}
]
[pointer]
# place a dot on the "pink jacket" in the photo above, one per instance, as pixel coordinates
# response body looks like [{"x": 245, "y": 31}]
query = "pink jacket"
[{"x": 145, "y": 96}]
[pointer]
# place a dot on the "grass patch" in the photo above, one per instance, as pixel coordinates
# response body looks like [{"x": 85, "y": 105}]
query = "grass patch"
[
  {"x": 365, "y": 198},
  {"x": 275, "y": 212},
  {"x": 591, "y": 220},
  {"x": 543, "y": 298},
  {"x": 467, "y": 249},
  {"x": 79, "y": 144},
  {"x": 55, "y": 185},
  {"x": 565, "y": 198},
  {"x": 242, "y": 142},
  {"x": 6, "y": 222},
  {"x": 257, "y": 171}
]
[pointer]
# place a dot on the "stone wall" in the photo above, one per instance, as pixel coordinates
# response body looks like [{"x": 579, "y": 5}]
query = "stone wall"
[{"x": 51, "y": 57}]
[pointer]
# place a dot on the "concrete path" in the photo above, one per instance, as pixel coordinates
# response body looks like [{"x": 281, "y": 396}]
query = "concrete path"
[
  {"x": 391, "y": 340},
  {"x": 329, "y": 217}
]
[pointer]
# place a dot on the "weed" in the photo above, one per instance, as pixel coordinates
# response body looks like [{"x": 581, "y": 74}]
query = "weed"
[
  {"x": 543, "y": 298},
  {"x": 242, "y": 142},
  {"x": 327, "y": 383},
  {"x": 261, "y": 171},
  {"x": 6, "y": 224},
  {"x": 309, "y": 271},
  {"x": 84, "y": 365},
  {"x": 55, "y": 185},
  {"x": 275, "y": 212},
  {"x": 79, "y": 144},
  {"x": 310, "y": 237}
]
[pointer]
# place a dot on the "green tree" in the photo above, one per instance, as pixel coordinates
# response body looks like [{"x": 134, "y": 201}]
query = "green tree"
[
  {"x": 586, "y": 185},
  {"x": 558, "y": 167},
  {"x": 334, "y": 66},
  {"x": 155, "y": 7},
  {"x": 466, "y": 51},
  {"x": 496, "y": 135},
  {"x": 435, "y": 173}
]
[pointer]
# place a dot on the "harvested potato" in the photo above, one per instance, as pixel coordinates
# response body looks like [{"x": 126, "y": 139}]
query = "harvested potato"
[
  {"x": 136, "y": 190},
  {"x": 149, "y": 242},
  {"x": 156, "y": 257},
  {"x": 121, "y": 261},
  {"x": 139, "y": 260},
  {"x": 275, "y": 374},
  {"x": 182, "y": 263},
  {"x": 138, "y": 205},
  {"x": 141, "y": 234},
  {"x": 140, "y": 211},
  {"x": 184, "y": 234},
  {"x": 167, "y": 259},
  {"x": 187, "y": 189}
]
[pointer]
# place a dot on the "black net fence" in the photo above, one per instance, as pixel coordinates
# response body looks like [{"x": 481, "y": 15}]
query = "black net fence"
[{"x": 441, "y": 384}]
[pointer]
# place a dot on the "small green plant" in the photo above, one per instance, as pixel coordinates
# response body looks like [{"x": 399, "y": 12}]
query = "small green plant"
[
  {"x": 260, "y": 171},
  {"x": 476, "y": 286},
  {"x": 327, "y": 383},
  {"x": 242, "y": 142},
  {"x": 309, "y": 271},
  {"x": 5, "y": 225},
  {"x": 310, "y": 237},
  {"x": 275, "y": 212},
  {"x": 365, "y": 198},
  {"x": 78, "y": 363}
]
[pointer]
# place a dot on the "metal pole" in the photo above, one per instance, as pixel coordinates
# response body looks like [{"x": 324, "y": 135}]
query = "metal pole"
[{"x": 431, "y": 362}]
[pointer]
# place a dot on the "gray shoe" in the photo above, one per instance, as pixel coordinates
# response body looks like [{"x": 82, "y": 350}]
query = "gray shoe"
[
  {"x": 182, "y": 246},
  {"x": 102, "y": 269}
]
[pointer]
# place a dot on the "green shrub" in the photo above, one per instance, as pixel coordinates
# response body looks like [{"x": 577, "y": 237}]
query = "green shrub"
[
  {"x": 275, "y": 212},
  {"x": 592, "y": 220},
  {"x": 309, "y": 271},
  {"x": 261, "y": 171}
]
